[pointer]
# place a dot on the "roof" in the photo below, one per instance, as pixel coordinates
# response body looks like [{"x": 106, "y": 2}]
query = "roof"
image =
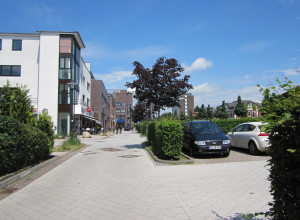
[{"x": 75, "y": 34}]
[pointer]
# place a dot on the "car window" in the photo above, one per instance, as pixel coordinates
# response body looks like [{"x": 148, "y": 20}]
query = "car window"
[
  {"x": 187, "y": 127},
  {"x": 205, "y": 128},
  {"x": 249, "y": 127},
  {"x": 239, "y": 128}
]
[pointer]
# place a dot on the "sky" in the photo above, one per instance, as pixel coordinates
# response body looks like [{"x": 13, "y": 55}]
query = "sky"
[{"x": 226, "y": 46}]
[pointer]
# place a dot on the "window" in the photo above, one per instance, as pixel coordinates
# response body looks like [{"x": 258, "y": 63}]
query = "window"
[
  {"x": 64, "y": 94},
  {"x": 65, "y": 45},
  {"x": 83, "y": 80},
  {"x": 118, "y": 103},
  {"x": 88, "y": 102},
  {"x": 6, "y": 70},
  {"x": 88, "y": 86},
  {"x": 65, "y": 68},
  {"x": 83, "y": 99},
  {"x": 0, "y": 44},
  {"x": 123, "y": 104},
  {"x": 17, "y": 45}
]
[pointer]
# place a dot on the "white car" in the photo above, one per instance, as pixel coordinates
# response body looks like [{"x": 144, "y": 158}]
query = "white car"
[{"x": 249, "y": 136}]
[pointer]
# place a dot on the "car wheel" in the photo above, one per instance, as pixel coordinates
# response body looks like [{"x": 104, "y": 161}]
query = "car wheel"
[
  {"x": 225, "y": 154},
  {"x": 252, "y": 148}
]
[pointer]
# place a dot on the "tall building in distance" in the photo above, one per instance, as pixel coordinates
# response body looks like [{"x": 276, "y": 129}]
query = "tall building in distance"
[
  {"x": 123, "y": 105},
  {"x": 186, "y": 103}
]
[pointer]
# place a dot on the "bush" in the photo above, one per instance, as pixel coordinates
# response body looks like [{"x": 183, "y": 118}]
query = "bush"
[
  {"x": 151, "y": 132},
  {"x": 45, "y": 124},
  {"x": 21, "y": 145},
  {"x": 283, "y": 114},
  {"x": 228, "y": 124},
  {"x": 168, "y": 139}
]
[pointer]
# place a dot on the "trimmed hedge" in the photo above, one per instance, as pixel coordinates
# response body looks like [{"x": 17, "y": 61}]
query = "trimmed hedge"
[
  {"x": 151, "y": 132},
  {"x": 228, "y": 124},
  {"x": 21, "y": 145},
  {"x": 168, "y": 139}
]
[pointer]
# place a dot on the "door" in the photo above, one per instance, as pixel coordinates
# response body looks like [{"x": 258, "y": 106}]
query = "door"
[{"x": 64, "y": 126}]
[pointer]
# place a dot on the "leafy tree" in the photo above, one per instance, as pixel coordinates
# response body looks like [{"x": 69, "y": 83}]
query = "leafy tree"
[
  {"x": 140, "y": 112},
  {"x": 182, "y": 117},
  {"x": 197, "y": 109},
  {"x": 202, "y": 113},
  {"x": 241, "y": 109},
  {"x": 282, "y": 110},
  {"x": 16, "y": 103},
  {"x": 209, "y": 112},
  {"x": 221, "y": 111},
  {"x": 160, "y": 85}
]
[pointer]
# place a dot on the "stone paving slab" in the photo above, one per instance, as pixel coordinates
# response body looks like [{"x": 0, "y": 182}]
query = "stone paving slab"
[{"x": 116, "y": 179}]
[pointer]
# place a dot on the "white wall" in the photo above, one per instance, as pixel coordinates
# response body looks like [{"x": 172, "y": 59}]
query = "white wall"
[
  {"x": 27, "y": 58},
  {"x": 48, "y": 74}
]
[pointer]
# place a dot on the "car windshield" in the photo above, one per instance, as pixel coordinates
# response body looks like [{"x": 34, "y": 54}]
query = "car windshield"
[{"x": 205, "y": 128}]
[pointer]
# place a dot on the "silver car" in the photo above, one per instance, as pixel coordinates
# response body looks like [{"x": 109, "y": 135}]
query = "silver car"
[{"x": 249, "y": 136}]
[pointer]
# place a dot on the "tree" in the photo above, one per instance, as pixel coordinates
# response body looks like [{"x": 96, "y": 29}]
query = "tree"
[
  {"x": 160, "y": 85},
  {"x": 15, "y": 103},
  {"x": 209, "y": 112},
  {"x": 202, "y": 113},
  {"x": 221, "y": 111},
  {"x": 241, "y": 109},
  {"x": 45, "y": 124},
  {"x": 197, "y": 109},
  {"x": 281, "y": 110},
  {"x": 140, "y": 112}
]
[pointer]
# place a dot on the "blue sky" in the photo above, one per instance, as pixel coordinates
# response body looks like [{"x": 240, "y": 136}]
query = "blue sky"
[{"x": 226, "y": 46}]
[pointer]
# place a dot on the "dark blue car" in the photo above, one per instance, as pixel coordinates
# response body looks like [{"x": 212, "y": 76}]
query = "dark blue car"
[{"x": 205, "y": 137}]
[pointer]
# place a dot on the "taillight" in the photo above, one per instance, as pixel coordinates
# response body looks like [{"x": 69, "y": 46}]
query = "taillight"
[{"x": 263, "y": 134}]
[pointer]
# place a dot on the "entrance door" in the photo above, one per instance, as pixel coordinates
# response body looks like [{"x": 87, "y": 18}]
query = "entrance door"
[{"x": 64, "y": 126}]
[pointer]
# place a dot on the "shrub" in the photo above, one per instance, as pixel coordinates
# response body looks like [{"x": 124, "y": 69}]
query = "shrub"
[
  {"x": 20, "y": 145},
  {"x": 228, "y": 124},
  {"x": 283, "y": 114},
  {"x": 45, "y": 124},
  {"x": 168, "y": 139},
  {"x": 151, "y": 132}
]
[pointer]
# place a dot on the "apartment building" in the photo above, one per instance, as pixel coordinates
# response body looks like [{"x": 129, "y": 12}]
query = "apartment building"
[
  {"x": 50, "y": 65},
  {"x": 101, "y": 104},
  {"x": 186, "y": 105},
  {"x": 123, "y": 105}
]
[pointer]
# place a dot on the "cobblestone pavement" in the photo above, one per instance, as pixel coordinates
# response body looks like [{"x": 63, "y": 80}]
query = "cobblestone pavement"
[{"x": 114, "y": 178}]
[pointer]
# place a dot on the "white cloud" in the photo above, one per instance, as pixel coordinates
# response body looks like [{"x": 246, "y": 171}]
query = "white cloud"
[
  {"x": 204, "y": 88},
  {"x": 199, "y": 64},
  {"x": 288, "y": 72},
  {"x": 114, "y": 76}
]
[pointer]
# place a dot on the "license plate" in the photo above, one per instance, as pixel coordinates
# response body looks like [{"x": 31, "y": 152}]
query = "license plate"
[{"x": 215, "y": 147}]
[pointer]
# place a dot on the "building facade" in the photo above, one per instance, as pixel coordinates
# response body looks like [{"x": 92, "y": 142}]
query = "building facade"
[
  {"x": 123, "y": 104},
  {"x": 101, "y": 104},
  {"x": 51, "y": 66},
  {"x": 253, "y": 109},
  {"x": 186, "y": 105}
]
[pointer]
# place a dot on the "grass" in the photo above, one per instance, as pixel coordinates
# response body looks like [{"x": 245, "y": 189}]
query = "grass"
[{"x": 72, "y": 144}]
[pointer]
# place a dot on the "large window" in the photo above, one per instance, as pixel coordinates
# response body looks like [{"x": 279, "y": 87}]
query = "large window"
[
  {"x": 65, "y": 45},
  {"x": 0, "y": 44},
  {"x": 64, "y": 94},
  {"x": 6, "y": 70},
  {"x": 65, "y": 68},
  {"x": 17, "y": 45}
]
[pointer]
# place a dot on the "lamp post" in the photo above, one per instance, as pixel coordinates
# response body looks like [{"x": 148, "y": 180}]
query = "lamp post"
[
  {"x": 103, "y": 119},
  {"x": 72, "y": 86}
]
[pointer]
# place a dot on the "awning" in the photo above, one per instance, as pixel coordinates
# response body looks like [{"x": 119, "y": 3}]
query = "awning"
[{"x": 120, "y": 120}]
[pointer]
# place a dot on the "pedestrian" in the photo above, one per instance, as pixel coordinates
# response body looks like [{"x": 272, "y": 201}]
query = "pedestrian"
[
  {"x": 117, "y": 128},
  {"x": 121, "y": 129}
]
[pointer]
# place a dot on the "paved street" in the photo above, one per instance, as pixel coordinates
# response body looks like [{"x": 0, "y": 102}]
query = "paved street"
[{"x": 114, "y": 178}]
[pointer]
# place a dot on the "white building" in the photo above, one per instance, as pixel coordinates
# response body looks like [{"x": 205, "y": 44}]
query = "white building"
[{"x": 50, "y": 65}]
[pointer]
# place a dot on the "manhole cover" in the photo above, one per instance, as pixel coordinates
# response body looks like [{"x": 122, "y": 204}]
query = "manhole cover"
[
  {"x": 110, "y": 149},
  {"x": 8, "y": 190},
  {"x": 130, "y": 156}
]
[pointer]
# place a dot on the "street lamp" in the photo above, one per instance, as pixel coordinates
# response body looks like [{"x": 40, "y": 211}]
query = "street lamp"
[
  {"x": 72, "y": 86},
  {"x": 103, "y": 119}
]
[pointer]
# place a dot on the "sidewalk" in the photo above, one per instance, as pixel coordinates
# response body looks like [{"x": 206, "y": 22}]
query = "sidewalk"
[{"x": 114, "y": 178}]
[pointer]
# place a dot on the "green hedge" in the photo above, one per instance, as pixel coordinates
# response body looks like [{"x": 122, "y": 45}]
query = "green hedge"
[
  {"x": 21, "y": 145},
  {"x": 168, "y": 139},
  {"x": 151, "y": 132},
  {"x": 228, "y": 124}
]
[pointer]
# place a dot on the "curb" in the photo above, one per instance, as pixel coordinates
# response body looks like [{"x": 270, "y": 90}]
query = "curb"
[
  {"x": 170, "y": 162},
  {"x": 14, "y": 177}
]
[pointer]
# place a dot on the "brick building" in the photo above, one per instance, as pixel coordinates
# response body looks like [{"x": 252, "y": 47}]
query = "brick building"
[
  {"x": 186, "y": 103},
  {"x": 100, "y": 103},
  {"x": 123, "y": 102}
]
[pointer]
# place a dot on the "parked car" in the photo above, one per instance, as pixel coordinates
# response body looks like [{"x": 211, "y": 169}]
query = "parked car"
[
  {"x": 250, "y": 136},
  {"x": 205, "y": 137},
  {"x": 128, "y": 128}
]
